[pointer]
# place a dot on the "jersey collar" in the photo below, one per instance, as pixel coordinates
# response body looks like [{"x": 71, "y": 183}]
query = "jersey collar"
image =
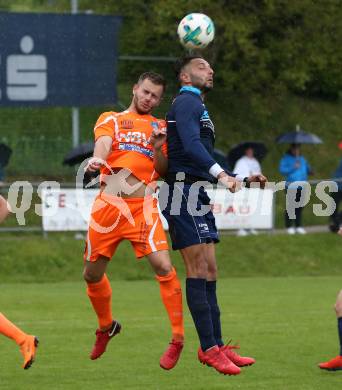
[{"x": 189, "y": 88}]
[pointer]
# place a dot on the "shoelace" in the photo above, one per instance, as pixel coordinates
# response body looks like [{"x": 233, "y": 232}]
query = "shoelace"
[{"x": 231, "y": 347}]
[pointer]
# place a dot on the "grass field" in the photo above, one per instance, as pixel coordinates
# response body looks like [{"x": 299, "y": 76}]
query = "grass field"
[
  {"x": 287, "y": 324},
  {"x": 31, "y": 258},
  {"x": 276, "y": 295}
]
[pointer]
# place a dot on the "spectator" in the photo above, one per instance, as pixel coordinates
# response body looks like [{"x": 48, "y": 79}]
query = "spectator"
[
  {"x": 246, "y": 166},
  {"x": 337, "y": 196},
  {"x": 295, "y": 168}
]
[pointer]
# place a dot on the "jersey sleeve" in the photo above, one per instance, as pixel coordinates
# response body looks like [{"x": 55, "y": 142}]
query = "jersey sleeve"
[{"x": 105, "y": 125}]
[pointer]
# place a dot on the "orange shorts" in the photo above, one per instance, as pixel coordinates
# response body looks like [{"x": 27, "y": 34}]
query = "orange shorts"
[{"x": 114, "y": 219}]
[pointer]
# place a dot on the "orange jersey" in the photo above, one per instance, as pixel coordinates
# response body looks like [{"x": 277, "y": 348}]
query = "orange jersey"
[{"x": 131, "y": 149}]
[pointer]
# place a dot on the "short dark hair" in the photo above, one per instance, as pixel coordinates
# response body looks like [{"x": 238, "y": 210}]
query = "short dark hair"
[
  {"x": 156, "y": 78},
  {"x": 184, "y": 61}
]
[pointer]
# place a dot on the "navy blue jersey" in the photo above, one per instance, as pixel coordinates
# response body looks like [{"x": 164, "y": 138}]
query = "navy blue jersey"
[{"x": 190, "y": 135}]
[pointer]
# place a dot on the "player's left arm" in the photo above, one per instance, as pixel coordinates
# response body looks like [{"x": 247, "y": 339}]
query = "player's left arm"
[{"x": 4, "y": 210}]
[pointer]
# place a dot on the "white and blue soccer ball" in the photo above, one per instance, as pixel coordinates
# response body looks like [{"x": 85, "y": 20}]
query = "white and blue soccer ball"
[{"x": 196, "y": 31}]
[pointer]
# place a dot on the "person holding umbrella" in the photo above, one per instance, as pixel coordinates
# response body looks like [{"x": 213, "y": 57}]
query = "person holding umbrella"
[
  {"x": 295, "y": 168},
  {"x": 247, "y": 165}
]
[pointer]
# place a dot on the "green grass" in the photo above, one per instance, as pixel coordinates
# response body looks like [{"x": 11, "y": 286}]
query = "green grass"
[
  {"x": 31, "y": 258},
  {"x": 287, "y": 324}
]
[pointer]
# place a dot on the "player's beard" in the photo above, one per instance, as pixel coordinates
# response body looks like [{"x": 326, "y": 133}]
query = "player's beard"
[
  {"x": 201, "y": 84},
  {"x": 206, "y": 88},
  {"x": 140, "y": 110}
]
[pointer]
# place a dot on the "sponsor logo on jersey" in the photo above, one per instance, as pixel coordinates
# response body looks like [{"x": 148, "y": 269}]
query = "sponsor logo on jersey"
[
  {"x": 136, "y": 137},
  {"x": 136, "y": 148},
  {"x": 203, "y": 227},
  {"x": 127, "y": 124},
  {"x": 206, "y": 122}
]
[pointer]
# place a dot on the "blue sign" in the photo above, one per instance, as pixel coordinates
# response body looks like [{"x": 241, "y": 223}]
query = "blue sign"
[{"x": 58, "y": 59}]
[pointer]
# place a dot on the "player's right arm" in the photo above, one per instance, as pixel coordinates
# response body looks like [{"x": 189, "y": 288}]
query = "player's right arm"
[
  {"x": 104, "y": 135},
  {"x": 103, "y": 146}
]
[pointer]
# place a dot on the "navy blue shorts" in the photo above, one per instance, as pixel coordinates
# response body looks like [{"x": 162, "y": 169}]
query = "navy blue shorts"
[{"x": 187, "y": 210}]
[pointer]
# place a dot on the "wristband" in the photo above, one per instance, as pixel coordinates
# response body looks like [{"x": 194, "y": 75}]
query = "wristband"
[{"x": 215, "y": 170}]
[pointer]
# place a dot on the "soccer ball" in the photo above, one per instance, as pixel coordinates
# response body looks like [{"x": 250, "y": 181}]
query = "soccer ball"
[{"x": 196, "y": 31}]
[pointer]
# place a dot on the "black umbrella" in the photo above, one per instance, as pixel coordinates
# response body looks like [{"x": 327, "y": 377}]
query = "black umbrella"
[
  {"x": 78, "y": 154},
  {"x": 5, "y": 154},
  {"x": 239, "y": 150},
  {"x": 298, "y": 137}
]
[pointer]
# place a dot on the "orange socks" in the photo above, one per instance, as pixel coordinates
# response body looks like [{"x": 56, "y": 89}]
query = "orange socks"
[
  {"x": 10, "y": 330},
  {"x": 100, "y": 294},
  {"x": 171, "y": 294}
]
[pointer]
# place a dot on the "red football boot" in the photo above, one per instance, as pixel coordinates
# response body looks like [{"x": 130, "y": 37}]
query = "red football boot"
[
  {"x": 103, "y": 338},
  {"x": 334, "y": 364},
  {"x": 170, "y": 357},
  {"x": 238, "y": 360},
  {"x": 213, "y": 357}
]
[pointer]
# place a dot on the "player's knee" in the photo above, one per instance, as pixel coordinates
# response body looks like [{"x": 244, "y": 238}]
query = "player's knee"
[
  {"x": 200, "y": 267},
  {"x": 338, "y": 304},
  {"x": 164, "y": 269},
  {"x": 212, "y": 271},
  {"x": 338, "y": 309},
  {"x": 91, "y": 277}
]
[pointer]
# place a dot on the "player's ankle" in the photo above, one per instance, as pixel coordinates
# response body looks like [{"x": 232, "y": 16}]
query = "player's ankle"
[
  {"x": 210, "y": 348},
  {"x": 21, "y": 340},
  {"x": 106, "y": 328},
  {"x": 178, "y": 338}
]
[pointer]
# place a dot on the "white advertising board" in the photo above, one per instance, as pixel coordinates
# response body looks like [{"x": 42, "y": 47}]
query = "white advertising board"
[
  {"x": 247, "y": 209},
  {"x": 69, "y": 209}
]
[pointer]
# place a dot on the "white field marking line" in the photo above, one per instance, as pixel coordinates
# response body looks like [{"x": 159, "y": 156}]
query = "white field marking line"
[
  {"x": 127, "y": 320},
  {"x": 127, "y": 325}
]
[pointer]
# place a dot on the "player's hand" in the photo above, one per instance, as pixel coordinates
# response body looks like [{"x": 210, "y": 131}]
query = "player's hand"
[
  {"x": 94, "y": 164},
  {"x": 232, "y": 184},
  {"x": 158, "y": 136},
  {"x": 340, "y": 231},
  {"x": 261, "y": 179}
]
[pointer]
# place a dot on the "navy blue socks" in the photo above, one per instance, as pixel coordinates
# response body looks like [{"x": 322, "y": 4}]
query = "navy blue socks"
[
  {"x": 200, "y": 310},
  {"x": 339, "y": 324},
  {"x": 215, "y": 311}
]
